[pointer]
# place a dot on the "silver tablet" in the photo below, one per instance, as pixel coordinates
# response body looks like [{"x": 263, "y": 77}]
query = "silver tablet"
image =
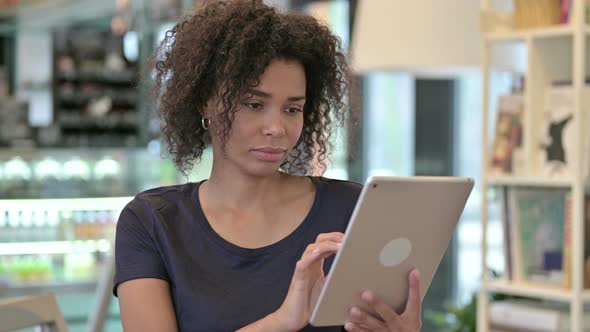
[{"x": 398, "y": 223}]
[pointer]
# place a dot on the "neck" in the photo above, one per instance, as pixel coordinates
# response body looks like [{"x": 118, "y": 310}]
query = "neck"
[{"x": 235, "y": 190}]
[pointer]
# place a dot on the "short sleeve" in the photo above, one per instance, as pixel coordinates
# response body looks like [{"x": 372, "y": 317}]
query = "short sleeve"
[{"x": 136, "y": 253}]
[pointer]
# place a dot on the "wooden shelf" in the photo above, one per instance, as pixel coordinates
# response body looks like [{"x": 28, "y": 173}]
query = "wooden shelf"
[
  {"x": 56, "y": 287},
  {"x": 538, "y": 292},
  {"x": 78, "y": 204},
  {"x": 551, "y": 32},
  {"x": 527, "y": 181},
  {"x": 540, "y": 56},
  {"x": 540, "y": 33},
  {"x": 54, "y": 247},
  {"x": 505, "y": 36}
]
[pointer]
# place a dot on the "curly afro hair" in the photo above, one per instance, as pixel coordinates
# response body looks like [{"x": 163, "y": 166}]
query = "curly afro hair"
[{"x": 221, "y": 51}]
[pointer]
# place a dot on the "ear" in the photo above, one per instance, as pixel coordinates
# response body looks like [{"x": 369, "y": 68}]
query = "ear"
[
  {"x": 208, "y": 111},
  {"x": 211, "y": 107}
]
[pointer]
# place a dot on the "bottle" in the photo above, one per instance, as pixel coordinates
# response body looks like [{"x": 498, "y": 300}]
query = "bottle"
[
  {"x": 4, "y": 226},
  {"x": 3, "y": 189},
  {"x": 77, "y": 173},
  {"x": 112, "y": 224},
  {"x": 17, "y": 177},
  {"x": 38, "y": 229},
  {"x": 66, "y": 226},
  {"x": 45, "y": 269},
  {"x": 27, "y": 232},
  {"x": 13, "y": 226},
  {"x": 78, "y": 225},
  {"x": 102, "y": 218},
  {"x": 41, "y": 224},
  {"x": 47, "y": 173},
  {"x": 52, "y": 217},
  {"x": 4, "y": 272},
  {"x": 107, "y": 174},
  {"x": 90, "y": 225}
]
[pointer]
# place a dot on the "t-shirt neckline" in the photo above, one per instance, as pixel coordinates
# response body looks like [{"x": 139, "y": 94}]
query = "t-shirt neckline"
[{"x": 279, "y": 246}]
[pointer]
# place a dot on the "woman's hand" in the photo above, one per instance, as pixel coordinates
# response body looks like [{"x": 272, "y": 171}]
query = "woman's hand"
[
  {"x": 307, "y": 283},
  {"x": 388, "y": 320}
]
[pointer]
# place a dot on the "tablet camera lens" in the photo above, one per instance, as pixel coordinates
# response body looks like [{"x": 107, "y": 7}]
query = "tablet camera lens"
[{"x": 374, "y": 185}]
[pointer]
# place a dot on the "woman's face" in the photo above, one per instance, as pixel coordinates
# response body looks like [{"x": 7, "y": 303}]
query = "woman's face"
[{"x": 268, "y": 122}]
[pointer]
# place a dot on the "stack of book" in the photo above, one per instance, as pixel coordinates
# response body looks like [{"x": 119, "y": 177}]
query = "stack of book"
[
  {"x": 531, "y": 316},
  {"x": 554, "y": 147},
  {"x": 537, "y": 236},
  {"x": 567, "y": 14},
  {"x": 530, "y": 14},
  {"x": 507, "y": 153}
]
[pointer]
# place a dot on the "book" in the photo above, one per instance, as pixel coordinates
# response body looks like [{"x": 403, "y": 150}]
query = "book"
[
  {"x": 513, "y": 246},
  {"x": 514, "y": 236},
  {"x": 532, "y": 316},
  {"x": 556, "y": 133},
  {"x": 567, "y": 243},
  {"x": 565, "y": 10},
  {"x": 506, "y": 156},
  {"x": 505, "y": 218},
  {"x": 570, "y": 11},
  {"x": 530, "y": 14},
  {"x": 537, "y": 220},
  {"x": 587, "y": 243},
  {"x": 557, "y": 139}
]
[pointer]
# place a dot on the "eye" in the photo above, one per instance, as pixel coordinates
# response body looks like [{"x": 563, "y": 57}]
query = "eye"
[
  {"x": 293, "y": 110},
  {"x": 254, "y": 106}
]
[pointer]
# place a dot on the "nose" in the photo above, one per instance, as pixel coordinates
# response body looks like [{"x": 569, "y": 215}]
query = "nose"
[{"x": 273, "y": 124}]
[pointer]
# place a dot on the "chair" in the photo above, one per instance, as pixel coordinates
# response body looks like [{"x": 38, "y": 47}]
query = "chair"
[{"x": 30, "y": 311}]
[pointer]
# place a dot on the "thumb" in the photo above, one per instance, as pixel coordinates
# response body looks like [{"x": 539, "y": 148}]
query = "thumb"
[{"x": 414, "y": 304}]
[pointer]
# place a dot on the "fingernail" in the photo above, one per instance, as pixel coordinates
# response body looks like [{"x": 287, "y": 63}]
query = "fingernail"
[
  {"x": 348, "y": 326},
  {"x": 415, "y": 279},
  {"x": 365, "y": 295}
]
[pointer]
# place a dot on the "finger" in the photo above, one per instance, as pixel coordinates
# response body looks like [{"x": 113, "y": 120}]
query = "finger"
[
  {"x": 316, "y": 252},
  {"x": 321, "y": 247},
  {"x": 352, "y": 327},
  {"x": 334, "y": 236},
  {"x": 414, "y": 304},
  {"x": 361, "y": 317},
  {"x": 391, "y": 318}
]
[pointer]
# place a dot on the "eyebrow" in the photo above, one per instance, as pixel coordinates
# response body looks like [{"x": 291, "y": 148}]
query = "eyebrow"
[{"x": 262, "y": 94}]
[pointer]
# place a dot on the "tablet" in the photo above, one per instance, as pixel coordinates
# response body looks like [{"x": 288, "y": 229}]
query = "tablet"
[{"x": 398, "y": 223}]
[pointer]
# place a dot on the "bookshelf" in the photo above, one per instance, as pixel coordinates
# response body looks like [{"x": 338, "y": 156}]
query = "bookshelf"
[
  {"x": 547, "y": 54},
  {"x": 539, "y": 292},
  {"x": 552, "y": 31},
  {"x": 524, "y": 181}
]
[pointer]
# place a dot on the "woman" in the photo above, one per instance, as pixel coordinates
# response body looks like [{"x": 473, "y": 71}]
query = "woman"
[{"x": 248, "y": 248}]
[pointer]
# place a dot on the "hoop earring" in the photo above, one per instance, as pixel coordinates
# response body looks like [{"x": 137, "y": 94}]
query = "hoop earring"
[{"x": 205, "y": 123}]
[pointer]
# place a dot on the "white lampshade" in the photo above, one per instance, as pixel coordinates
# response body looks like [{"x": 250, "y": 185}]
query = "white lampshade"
[{"x": 416, "y": 35}]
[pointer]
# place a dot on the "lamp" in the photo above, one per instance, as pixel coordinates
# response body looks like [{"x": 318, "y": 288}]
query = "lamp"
[{"x": 419, "y": 36}]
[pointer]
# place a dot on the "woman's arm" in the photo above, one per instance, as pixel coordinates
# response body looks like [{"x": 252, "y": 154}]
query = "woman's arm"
[
  {"x": 269, "y": 323},
  {"x": 304, "y": 290},
  {"x": 146, "y": 305}
]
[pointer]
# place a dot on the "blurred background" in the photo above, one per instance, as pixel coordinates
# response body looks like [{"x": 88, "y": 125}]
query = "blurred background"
[{"x": 78, "y": 138}]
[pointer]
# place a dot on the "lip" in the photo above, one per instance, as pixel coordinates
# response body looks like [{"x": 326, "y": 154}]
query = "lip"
[
  {"x": 268, "y": 149},
  {"x": 271, "y": 154}
]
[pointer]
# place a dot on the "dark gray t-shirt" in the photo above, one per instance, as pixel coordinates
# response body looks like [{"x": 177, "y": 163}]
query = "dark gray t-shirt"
[{"x": 215, "y": 285}]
